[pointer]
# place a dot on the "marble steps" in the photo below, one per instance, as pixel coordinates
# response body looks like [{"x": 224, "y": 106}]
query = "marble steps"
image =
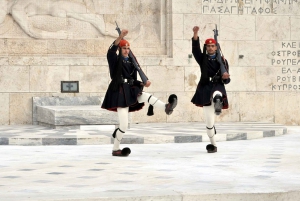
[{"x": 146, "y": 133}]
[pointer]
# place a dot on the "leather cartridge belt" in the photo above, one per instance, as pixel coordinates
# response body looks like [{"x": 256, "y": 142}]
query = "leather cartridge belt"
[
  {"x": 215, "y": 79},
  {"x": 128, "y": 81}
]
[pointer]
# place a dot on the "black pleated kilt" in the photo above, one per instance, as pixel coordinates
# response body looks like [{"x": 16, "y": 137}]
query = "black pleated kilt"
[
  {"x": 204, "y": 93},
  {"x": 126, "y": 96}
]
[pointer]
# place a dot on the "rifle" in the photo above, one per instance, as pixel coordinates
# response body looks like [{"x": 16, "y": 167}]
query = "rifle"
[
  {"x": 219, "y": 58},
  {"x": 134, "y": 61}
]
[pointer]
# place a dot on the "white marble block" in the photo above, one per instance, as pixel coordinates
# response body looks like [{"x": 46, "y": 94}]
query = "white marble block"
[{"x": 75, "y": 115}]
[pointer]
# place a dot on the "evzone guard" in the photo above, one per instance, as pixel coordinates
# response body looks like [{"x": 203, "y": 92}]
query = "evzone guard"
[
  {"x": 210, "y": 93},
  {"x": 125, "y": 93}
]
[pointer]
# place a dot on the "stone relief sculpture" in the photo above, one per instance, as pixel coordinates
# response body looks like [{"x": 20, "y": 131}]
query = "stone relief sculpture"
[{"x": 22, "y": 10}]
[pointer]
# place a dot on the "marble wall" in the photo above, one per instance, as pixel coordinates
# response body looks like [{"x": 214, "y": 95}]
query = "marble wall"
[{"x": 44, "y": 43}]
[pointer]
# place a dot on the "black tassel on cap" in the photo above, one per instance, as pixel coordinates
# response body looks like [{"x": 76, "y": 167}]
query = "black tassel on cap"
[{"x": 150, "y": 110}]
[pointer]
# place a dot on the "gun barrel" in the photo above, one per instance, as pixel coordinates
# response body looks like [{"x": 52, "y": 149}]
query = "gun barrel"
[
  {"x": 219, "y": 58},
  {"x": 135, "y": 63}
]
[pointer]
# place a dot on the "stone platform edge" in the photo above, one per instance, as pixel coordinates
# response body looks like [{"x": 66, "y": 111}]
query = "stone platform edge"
[{"x": 136, "y": 138}]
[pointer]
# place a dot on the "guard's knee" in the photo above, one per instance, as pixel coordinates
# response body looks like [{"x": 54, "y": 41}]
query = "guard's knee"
[
  {"x": 211, "y": 131},
  {"x": 123, "y": 128}
]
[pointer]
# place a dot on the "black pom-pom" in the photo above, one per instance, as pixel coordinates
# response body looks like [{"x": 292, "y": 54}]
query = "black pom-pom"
[
  {"x": 171, "y": 98},
  {"x": 210, "y": 147},
  {"x": 115, "y": 133},
  {"x": 125, "y": 151},
  {"x": 150, "y": 110}
]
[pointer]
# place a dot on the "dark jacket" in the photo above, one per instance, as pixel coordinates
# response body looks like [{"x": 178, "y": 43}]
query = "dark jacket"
[
  {"x": 127, "y": 92},
  {"x": 210, "y": 80}
]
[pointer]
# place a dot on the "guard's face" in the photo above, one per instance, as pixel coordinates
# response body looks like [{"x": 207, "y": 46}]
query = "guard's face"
[
  {"x": 211, "y": 48},
  {"x": 125, "y": 51}
]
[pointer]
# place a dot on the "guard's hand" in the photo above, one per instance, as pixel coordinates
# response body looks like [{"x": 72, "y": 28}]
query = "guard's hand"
[
  {"x": 124, "y": 32},
  {"x": 195, "y": 29},
  {"x": 225, "y": 76},
  {"x": 148, "y": 83}
]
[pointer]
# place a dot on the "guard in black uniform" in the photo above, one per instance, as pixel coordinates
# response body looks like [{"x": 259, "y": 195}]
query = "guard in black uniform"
[
  {"x": 125, "y": 93},
  {"x": 210, "y": 93}
]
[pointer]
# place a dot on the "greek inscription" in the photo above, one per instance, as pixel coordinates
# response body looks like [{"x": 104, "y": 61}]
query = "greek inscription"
[
  {"x": 288, "y": 58},
  {"x": 253, "y": 7}
]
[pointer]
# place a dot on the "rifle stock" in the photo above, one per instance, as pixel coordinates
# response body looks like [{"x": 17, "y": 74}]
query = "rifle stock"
[
  {"x": 219, "y": 58},
  {"x": 134, "y": 61}
]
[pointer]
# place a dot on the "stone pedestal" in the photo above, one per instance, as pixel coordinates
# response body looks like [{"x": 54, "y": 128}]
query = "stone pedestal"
[{"x": 74, "y": 116}]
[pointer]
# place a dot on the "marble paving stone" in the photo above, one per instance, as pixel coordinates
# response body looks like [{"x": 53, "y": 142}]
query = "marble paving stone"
[
  {"x": 11, "y": 177},
  {"x": 218, "y": 137},
  {"x": 43, "y": 181},
  {"x": 279, "y": 132},
  {"x": 56, "y": 173},
  {"x": 95, "y": 170},
  {"x": 269, "y": 133},
  {"x": 156, "y": 138},
  {"x": 130, "y": 140},
  {"x": 59, "y": 141},
  {"x": 25, "y": 141},
  {"x": 238, "y": 136},
  {"x": 187, "y": 139},
  {"x": 4, "y": 141},
  {"x": 254, "y": 135},
  {"x": 146, "y": 133},
  {"x": 93, "y": 141},
  {"x": 26, "y": 169}
]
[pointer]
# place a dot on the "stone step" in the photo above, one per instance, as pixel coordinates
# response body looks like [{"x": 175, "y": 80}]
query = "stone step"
[{"x": 146, "y": 133}]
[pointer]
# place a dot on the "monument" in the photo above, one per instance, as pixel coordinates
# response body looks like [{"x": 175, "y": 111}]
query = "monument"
[{"x": 44, "y": 42}]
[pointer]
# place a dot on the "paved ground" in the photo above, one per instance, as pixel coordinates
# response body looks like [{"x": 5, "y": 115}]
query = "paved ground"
[
  {"x": 259, "y": 169},
  {"x": 137, "y": 134}
]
